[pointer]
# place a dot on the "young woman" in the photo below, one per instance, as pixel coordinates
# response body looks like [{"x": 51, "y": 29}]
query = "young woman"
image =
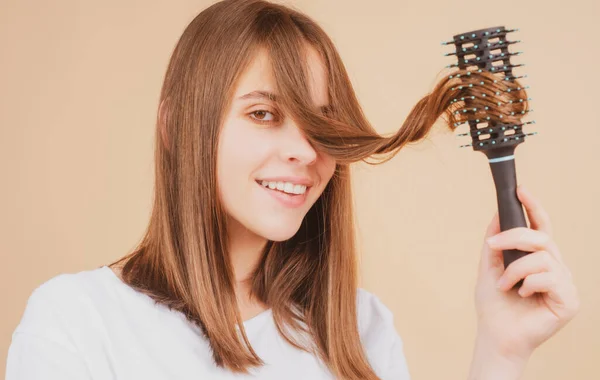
[{"x": 247, "y": 268}]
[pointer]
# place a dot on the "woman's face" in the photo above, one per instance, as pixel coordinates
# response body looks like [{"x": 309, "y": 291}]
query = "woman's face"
[{"x": 258, "y": 147}]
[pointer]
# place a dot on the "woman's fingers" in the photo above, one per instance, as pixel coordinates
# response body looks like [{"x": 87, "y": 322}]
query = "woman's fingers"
[
  {"x": 538, "y": 217},
  {"x": 539, "y": 220},
  {"x": 544, "y": 282},
  {"x": 525, "y": 239},
  {"x": 562, "y": 298},
  {"x": 536, "y": 262},
  {"x": 522, "y": 238}
]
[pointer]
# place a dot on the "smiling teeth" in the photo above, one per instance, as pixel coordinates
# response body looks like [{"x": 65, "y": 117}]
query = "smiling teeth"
[{"x": 286, "y": 187}]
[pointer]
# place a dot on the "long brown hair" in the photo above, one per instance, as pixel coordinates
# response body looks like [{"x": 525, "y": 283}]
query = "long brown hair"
[{"x": 310, "y": 280}]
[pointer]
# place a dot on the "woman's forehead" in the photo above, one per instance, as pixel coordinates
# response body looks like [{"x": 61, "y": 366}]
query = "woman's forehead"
[{"x": 258, "y": 80}]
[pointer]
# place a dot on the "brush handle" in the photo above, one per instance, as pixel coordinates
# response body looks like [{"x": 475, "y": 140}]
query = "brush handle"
[{"x": 509, "y": 207}]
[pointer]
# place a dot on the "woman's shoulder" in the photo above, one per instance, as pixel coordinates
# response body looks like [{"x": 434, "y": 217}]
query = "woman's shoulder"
[
  {"x": 383, "y": 345},
  {"x": 66, "y": 299},
  {"x": 371, "y": 310},
  {"x": 61, "y": 322}
]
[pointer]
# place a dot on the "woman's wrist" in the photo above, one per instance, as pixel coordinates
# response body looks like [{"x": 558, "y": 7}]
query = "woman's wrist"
[{"x": 491, "y": 362}]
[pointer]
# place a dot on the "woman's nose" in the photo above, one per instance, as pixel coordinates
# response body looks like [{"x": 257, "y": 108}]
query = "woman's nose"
[{"x": 297, "y": 147}]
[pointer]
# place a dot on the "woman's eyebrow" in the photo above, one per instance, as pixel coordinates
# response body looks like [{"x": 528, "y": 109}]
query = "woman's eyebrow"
[
  {"x": 259, "y": 95},
  {"x": 272, "y": 97}
]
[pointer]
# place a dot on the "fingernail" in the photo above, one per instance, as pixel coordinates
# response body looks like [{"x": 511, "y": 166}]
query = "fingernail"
[{"x": 492, "y": 240}]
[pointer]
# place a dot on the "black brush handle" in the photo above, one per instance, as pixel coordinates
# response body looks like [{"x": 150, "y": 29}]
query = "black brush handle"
[{"x": 509, "y": 207}]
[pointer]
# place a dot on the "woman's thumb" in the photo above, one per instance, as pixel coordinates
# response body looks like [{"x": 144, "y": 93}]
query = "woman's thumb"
[{"x": 491, "y": 259}]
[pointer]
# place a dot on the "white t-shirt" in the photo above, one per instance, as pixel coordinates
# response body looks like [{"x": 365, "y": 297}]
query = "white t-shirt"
[{"x": 91, "y": 325}]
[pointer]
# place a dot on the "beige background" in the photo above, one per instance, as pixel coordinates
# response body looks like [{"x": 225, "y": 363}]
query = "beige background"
[{"x": 79, "y": 87}]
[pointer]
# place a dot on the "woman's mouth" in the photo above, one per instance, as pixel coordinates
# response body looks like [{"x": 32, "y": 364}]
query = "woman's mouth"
[{"x": 285, "y": 193}]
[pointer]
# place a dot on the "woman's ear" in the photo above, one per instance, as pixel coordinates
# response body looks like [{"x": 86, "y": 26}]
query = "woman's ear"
[{"x": 162, "y": 123}]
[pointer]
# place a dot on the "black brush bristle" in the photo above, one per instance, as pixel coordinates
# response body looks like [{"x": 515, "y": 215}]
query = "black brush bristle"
[{"x": 493, "y": 108}]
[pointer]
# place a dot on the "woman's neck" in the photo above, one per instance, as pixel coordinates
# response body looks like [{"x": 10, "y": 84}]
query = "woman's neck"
[{"x": 245, "y": 251}]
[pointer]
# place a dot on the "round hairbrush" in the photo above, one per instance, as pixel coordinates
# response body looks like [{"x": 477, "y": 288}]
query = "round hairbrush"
[{"x": 487, "y": 96}]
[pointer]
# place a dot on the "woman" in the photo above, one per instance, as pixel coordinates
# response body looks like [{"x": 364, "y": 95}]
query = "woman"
[{"x": 247, "y": 268}]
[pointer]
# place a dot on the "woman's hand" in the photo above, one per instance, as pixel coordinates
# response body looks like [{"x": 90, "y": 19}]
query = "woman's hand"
[{"x": 516, "y": 321}]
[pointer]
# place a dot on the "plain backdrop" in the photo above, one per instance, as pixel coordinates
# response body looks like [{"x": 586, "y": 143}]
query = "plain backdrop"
[{"x": 79, "y": 87}]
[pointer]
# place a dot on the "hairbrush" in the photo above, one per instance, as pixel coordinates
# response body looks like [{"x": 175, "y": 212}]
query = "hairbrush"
[{"x": 492, "y": 108}]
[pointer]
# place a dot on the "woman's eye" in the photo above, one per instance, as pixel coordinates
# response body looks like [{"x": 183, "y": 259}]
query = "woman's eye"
[{"x": 261, "y": 116}]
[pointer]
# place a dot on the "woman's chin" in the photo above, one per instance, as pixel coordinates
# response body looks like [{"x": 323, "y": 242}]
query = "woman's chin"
[{"x": 279, "y": 231}]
